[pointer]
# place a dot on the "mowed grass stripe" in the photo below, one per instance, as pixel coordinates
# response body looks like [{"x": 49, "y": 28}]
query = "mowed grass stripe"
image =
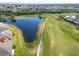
[{"x": 65, "y": 43}]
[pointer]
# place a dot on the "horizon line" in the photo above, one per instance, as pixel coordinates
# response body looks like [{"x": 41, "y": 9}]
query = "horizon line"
[{"x": 33, "y": 3}]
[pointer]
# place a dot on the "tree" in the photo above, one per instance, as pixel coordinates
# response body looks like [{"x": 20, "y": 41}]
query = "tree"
[{"x": 12, "y": 16}]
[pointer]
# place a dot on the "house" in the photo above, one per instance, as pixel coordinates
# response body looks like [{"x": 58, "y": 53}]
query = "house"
[{"x": 73, "y": 19}]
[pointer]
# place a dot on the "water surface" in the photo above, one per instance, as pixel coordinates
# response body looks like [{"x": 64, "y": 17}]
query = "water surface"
[{"x": 29, "y": 27}]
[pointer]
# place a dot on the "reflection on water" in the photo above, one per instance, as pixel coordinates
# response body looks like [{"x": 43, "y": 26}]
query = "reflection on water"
[{"x": 29, "y": 27}]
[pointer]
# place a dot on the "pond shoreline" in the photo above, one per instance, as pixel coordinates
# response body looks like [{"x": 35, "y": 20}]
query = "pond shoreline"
[
  {"x": 16, "y": 17},
  {"x": 23, "y": 17}
]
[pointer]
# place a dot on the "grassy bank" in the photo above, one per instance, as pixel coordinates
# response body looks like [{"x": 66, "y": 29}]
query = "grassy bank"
[{"x": 22, "y": 48}]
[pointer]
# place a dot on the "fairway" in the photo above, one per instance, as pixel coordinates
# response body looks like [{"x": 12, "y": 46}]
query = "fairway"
[{"x": 60, "y": 38}]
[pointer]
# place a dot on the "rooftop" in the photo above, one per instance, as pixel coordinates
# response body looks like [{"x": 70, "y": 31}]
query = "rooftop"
[{"x": 6, "y": 46}]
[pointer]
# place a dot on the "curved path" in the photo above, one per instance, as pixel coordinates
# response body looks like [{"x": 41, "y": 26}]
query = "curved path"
[{"x": 41, "y": 39}]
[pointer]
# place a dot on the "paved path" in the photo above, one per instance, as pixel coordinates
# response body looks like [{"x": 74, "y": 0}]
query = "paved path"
[{"x": 40, "y": 45}]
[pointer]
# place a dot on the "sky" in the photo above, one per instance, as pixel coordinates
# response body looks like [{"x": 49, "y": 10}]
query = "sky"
[{"x": 40, "y": 1}]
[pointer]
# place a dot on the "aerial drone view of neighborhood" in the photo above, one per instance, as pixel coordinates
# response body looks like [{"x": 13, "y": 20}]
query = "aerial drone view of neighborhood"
[{"x": 39, "y": 29}]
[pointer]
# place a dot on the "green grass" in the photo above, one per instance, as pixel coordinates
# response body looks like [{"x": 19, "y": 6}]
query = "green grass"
[
  {"x": 22, "y": 48},
  {"x": 60, "y": 38},
  {"x": 46, "y": 44}
]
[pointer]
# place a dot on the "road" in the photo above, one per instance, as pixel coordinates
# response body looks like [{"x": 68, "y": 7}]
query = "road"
[{"x": 41, "y": 39}]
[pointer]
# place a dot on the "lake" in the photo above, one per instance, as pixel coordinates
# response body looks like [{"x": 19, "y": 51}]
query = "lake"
[{"x": 29, "y": 27}]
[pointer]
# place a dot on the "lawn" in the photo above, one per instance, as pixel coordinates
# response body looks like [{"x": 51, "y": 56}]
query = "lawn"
[{"x": 60, "y": 38}]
